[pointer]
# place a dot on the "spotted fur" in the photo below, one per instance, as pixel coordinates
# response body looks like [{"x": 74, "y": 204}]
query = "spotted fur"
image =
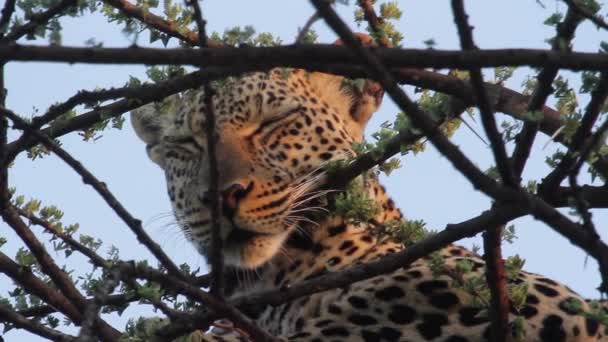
[{"x": 275, "y": 131}]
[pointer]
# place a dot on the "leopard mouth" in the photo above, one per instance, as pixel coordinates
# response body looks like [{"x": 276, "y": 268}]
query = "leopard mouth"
[
  {"x": 239, "y": 236},
  {"x": 247, "y": 249}
]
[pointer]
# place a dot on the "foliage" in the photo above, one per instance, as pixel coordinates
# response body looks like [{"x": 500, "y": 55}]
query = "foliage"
[{"x": 354, "y": 204}]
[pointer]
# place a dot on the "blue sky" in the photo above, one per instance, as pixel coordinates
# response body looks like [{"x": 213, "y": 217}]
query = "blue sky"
[{"x": 427, "y": 187}]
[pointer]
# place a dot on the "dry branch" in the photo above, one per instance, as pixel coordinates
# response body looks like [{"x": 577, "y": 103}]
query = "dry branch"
[{"x": 305, "y": 55}]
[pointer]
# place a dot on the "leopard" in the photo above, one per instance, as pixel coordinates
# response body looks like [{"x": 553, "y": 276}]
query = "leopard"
[{"x": 275, "y": 133}]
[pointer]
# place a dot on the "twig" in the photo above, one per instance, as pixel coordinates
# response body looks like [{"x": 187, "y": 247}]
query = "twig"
[
  {"x": 307, "y": 25},
  {"x": 216, "y": 304},
  {"x": 217, "y": 256},
  {"x": 84, "y": 96},
  {"x": 374, "y": 21},
  {"x": 525, "y": 139},
  {"x": 497, "y": 283},
  {"x": 596, "y": 19},
  {"x": 487, "y": 114},
  {"x": 93, "y": 257},
  {"x": 5, "y": 15},
  {"x": 26, "y": 279},
  {"x": 113, "y": 300},
  {"x": 12, "y": 317},
  {"x": 36, "y": 20},
  {"x": 117, "y": 300},
  {"x": 91, "y": 313},
  {"x": 47, "y": 264},
  {"x": 4, "y": 192},
  {"x": 88, "y": 178},
  {"x": 592, "y": 112},
  {"x": 168, "y": 27}
]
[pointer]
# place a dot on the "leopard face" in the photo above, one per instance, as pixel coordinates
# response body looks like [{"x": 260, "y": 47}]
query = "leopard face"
[{"x": 274, "y": 132}]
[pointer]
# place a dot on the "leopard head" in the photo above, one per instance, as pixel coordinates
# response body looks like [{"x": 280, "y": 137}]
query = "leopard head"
[{"x": 275, "y": 131}]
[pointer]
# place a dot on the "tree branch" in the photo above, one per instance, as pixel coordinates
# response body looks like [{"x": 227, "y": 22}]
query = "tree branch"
[
  {"x": 6, "y": 14},
  {"x": 525, "y": 139},
  {"x": 584, "y": 12},
  {"x": 217, "y": 255},
  {"x": 218, "y": 305},
  {"x": 156, "y": 22},
  {"x": 36, "y": 20},
  {"x": 580, "y": 138},
  {"x": 495, "y": 269},
  {"x": 49, "y": 267},
  {"x": 487, "y": 114},
  {"x": 10, "y": 316},
  {"x": 307, "y": 55},
  {"x": 26, "y": 279}
]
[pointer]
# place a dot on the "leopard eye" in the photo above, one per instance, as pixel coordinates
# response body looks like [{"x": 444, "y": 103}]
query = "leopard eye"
[
  {"x": 186, "y": 144},
  {"x": 271, "y": 121}
]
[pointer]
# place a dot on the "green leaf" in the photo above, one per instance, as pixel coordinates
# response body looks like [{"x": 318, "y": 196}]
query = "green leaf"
[{"x": 554, "y": 19}]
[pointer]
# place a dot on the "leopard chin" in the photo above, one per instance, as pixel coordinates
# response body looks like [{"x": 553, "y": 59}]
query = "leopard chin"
[{"x": 248, "y": 250}]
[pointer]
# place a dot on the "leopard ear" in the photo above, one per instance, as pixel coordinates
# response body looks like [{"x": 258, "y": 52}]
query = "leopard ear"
[
  {"x": 366, "y": 95},
  {"x": 147, "y": 124}
]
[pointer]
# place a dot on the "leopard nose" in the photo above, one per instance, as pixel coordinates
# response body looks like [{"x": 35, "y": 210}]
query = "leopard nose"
[{"x": 231, "y": 196}]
